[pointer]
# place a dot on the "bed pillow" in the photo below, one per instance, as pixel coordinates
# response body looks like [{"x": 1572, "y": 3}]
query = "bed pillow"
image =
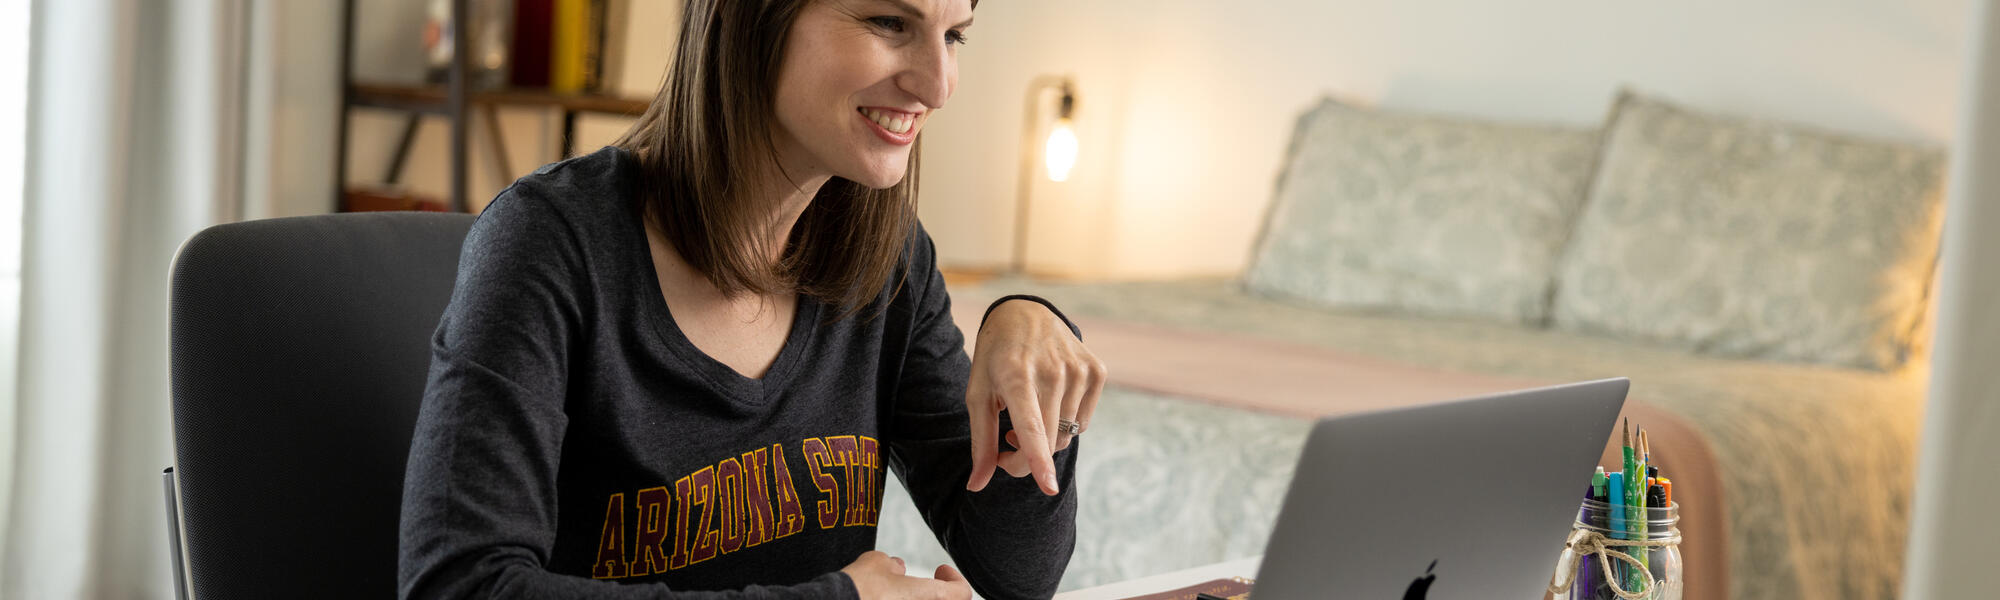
[
  {"x": 1748, "y": 238},
  {"x": 1421, "y": 214}
]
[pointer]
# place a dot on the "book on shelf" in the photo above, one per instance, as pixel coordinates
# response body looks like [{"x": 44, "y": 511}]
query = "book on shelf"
[
  {"x": 613, "y": 36},
  {"x": 569, "y": 46},
  {"x": 530, "y": 46},
  {"x": 570, "y": 33},
  {"x": 593, "y": 47},
  {"x": 577, "y": 46}
]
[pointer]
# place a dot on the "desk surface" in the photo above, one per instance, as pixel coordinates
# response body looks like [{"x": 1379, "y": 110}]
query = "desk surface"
[{"x": 1242, "y": 567}]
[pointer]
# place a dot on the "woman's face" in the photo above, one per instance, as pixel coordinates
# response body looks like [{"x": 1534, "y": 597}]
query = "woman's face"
[{"x": 859, "y": 80}]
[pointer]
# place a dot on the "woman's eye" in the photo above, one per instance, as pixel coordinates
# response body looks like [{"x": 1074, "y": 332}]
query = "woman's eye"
[{"x": 894, "y": 24}]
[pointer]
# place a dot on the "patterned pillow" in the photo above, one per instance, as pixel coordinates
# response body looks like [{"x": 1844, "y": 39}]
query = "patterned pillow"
[
  {"x": 1422, "y": 214},
  {"x": 1754, "y": 239}
]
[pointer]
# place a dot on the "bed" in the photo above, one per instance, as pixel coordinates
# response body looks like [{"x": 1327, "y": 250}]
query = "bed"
[
  {"x": 1812, "y": 465},
  {"x": 1764, "y": 286}
]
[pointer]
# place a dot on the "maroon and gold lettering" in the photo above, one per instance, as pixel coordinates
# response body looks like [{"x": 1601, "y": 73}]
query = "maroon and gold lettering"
[
  {"x": 846, "y": 453},
  {"x": 610, "y": 562},
  {"x": 651, "y": 557},
  {"x": 743, "y": 501},
  {"x": 683, "y": 491},
  {"x": 817, "y": 459},
  {"x": 791, "y": 519},
  {"x": 729, "y": 492},
  {"x": 704, "y": 495},
  {"x": 871, "y": 484},
  {"x": 756, "y": 497}
]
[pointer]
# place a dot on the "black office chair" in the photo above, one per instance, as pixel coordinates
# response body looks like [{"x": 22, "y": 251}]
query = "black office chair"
[{"x": 299, "y": 350}]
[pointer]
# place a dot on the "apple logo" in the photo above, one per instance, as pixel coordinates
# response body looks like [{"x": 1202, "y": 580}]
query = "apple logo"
[{"x": 1423, "y": 584}]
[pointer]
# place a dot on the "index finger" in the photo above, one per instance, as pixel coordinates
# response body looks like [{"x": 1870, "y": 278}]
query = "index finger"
[
  {"x": 985, "y": 419},
  {"x": 1025, "y": 410}
]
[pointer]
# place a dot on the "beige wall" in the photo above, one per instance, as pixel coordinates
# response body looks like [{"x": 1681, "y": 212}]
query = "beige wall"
[{"x": 1186, "y": 106}]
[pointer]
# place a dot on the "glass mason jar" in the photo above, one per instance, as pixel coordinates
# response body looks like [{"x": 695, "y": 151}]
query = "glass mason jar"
[{"x": 1663, "y": 582}]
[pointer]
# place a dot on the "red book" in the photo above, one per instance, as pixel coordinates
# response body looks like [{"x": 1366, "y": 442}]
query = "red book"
[{"x": 533, "y": 20}]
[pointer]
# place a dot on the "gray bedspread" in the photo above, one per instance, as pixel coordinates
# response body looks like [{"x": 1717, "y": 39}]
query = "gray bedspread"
[{"x": 1817, "y": 462}]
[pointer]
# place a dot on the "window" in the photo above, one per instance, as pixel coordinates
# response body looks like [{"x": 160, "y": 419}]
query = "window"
[{"x": 13, "y": 152}]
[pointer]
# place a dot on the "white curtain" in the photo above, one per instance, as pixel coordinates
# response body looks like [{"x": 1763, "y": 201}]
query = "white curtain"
[
  {"x": 135, "y": 142},
  {"x": 1955, "y": 523}
]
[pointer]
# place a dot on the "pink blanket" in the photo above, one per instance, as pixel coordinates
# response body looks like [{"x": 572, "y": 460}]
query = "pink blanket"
[{"x": 1311, "y": 381}]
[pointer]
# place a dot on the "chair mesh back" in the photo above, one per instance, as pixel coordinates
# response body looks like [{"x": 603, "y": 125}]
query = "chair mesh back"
[{"x": 299, "y": 349}]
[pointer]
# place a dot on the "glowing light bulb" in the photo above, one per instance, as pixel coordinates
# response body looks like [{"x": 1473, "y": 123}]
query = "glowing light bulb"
[{"x": 1061, "y": 151}]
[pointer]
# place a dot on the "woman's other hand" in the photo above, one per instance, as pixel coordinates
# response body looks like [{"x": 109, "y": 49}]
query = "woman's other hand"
[
  {"x": 878, "y": 576},
  {"x": 1028, "y": 363}
]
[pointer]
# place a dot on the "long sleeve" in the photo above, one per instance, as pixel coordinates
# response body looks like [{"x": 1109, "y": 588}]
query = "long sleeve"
[
  {"x": 1010, "y": 540},
  {"x": 479, "y": 502}
]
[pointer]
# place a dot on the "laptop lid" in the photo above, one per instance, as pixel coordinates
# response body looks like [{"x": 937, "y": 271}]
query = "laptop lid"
[{"x": 1464, "y": 500}]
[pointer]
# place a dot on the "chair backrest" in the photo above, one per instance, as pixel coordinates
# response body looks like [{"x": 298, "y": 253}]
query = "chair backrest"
[{"x": 299, "y": 349}]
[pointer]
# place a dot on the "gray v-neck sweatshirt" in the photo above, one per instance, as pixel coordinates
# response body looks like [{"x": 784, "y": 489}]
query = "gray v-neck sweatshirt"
[{"x": 573, "y": 443}]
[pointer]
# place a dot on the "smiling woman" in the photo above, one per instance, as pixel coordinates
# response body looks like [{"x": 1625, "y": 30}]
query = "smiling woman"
[
  {"x": 683, "y": 362},
  {"x": 816, "y": 93}
]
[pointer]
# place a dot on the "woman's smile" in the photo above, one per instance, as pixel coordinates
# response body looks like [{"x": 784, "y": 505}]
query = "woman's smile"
[{"x": 893, "y": 126}]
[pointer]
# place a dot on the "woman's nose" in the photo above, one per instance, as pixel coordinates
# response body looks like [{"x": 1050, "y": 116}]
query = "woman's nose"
[{"x": 931, "y": 73}]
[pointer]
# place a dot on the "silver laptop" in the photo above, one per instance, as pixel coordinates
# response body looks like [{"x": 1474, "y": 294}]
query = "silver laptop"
[{"x": 1471, "y": 499}]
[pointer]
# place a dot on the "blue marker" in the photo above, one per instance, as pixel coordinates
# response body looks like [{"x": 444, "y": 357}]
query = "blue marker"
[{"x": 1615, "y": 485}]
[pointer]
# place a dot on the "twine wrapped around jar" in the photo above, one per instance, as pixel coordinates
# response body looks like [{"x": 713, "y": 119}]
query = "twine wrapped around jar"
[
  {"x": 1645, "y": 540},
  {"x": 1584, "y": 542}
]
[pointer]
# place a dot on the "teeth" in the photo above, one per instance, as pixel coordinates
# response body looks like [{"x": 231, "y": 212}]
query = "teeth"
[{"x": 894, "y": 124}]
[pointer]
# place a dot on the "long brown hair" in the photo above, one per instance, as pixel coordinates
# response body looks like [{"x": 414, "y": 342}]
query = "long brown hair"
[{"x": 708, "y": 135}]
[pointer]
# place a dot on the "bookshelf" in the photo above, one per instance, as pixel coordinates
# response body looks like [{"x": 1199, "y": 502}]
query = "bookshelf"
[{"x": 456, "y": 102}]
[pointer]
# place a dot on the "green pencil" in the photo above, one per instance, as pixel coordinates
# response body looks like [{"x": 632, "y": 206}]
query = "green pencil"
[
  {"x": 1645, "y": 516},
  {"x": 1633, "y": 496}
]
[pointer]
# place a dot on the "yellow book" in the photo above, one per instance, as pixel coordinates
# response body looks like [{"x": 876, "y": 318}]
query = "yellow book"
[{"x": 568, "y": 45}]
